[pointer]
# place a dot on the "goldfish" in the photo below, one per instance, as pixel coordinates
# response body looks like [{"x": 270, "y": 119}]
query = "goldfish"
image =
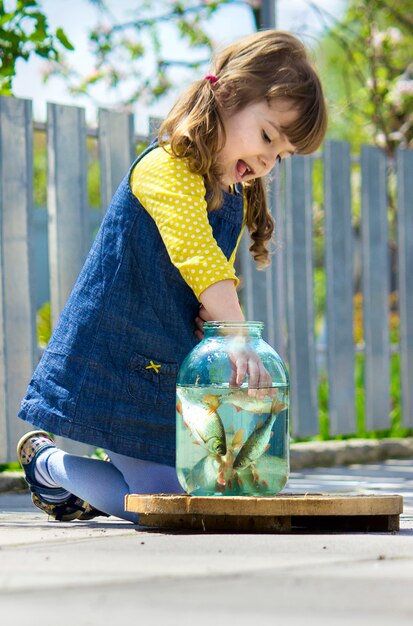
[
  {"x": 258, "y": 442},
  {"x": 205, "y": 424},
  {"x": 204, "y": 474},
  {"x": 242, "y": 401},
  {"x": 238, "y": 398}
]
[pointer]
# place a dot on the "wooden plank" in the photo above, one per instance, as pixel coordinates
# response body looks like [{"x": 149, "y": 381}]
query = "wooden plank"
[
  {"x": 278, "y": 264},
  {"x": 67, "y": 200},
  {"x": 346, "y": 523},
  {"x": 258, "y": 294},
  {"x": 405, "y": 260},
  {"x": 283, "y": 504},
  {"x": 262, "y": 289},
  {"x": 375, "y": 260},
  {"x": 18, "y": 313},
  {"x": 273, "y": 524},
  {"x": 339, "y": 275},
  {"x": 218, "y": 523},
  {"x": 300, "y": 307},
  {"x": 282, "y": 513},
  {"x": 154, "y": 126},
  {"x": 116, "y": 151}
]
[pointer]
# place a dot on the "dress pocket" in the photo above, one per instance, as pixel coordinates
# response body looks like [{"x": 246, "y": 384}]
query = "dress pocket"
[{"x": 151, "y": 381}]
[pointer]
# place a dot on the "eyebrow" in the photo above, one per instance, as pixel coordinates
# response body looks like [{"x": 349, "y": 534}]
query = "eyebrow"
[{"x": 278, "y": 129}]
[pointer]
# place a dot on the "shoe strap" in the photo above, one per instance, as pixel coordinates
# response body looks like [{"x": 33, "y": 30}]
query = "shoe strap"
[{"x": 39, "y": 490}]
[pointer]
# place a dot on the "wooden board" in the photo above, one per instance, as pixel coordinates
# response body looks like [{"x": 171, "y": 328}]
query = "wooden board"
[{"x": 283, "y": 513}]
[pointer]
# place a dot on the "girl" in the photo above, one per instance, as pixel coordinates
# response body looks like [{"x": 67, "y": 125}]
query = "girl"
[{"x": 162, "y": 263}]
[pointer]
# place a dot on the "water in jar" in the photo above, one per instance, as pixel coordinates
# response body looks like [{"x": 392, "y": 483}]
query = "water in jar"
[{"x": 232, "y": 441}]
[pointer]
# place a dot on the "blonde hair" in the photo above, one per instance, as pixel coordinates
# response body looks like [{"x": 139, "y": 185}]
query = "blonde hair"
[{"x": 266, "y": 65}]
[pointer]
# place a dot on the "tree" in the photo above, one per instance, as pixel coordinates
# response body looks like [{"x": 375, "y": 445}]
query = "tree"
[
  {"x": 24, "y": 31},
  {"x": 122, "y": 50},
  {"x": 368, "y": 73}
]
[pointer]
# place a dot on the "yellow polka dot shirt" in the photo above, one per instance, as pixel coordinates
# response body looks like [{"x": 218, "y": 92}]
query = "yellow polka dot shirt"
[{"x": 175, "y": 198}]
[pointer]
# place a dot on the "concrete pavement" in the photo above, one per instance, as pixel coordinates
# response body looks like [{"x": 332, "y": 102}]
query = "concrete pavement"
[{"x": 107, "y": 571}]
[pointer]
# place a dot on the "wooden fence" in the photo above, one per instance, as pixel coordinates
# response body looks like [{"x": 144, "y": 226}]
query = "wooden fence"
[{"x": 282, "y": 297}]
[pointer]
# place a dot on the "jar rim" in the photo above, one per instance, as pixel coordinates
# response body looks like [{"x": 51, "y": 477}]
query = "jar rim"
[{"x": 234, "y": 324}]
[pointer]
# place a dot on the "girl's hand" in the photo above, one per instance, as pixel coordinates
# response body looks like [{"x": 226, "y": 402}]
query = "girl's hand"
[
  {"x": 199, "y": 320},
  {"x": 245, "y": 361}
]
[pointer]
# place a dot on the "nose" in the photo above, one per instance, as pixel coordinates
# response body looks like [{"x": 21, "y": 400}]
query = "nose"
[{"x": 268, "y": 159}]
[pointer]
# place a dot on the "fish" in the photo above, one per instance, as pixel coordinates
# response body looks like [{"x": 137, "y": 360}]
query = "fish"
[
  {"x": 204, "y": 474},
  {"x": 242, "y": 401},
  {"x": 239, "y": 398},
  {"x": 258, "y": 441},
  {"x": 208, "y": 400},
  {"x": 205, "y": 425},
  {"x": 237, "y": 439}
]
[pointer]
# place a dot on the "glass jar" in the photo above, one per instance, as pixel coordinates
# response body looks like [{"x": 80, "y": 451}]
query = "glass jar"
[{"x": 232, "y": 436}]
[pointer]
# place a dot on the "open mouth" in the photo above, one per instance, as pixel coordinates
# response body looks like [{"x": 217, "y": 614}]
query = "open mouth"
[{"x": 243, "y": 169}]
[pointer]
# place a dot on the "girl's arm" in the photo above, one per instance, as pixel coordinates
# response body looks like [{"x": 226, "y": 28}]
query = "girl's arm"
[{"x": 220, "y": 302}]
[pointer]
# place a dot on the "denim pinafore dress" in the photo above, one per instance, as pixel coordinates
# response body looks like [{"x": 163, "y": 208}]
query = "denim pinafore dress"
[{"x": 108, "y": 374}]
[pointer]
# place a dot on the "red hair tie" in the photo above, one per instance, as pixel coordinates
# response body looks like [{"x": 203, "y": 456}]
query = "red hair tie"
[{"x": 212, "y": 79}]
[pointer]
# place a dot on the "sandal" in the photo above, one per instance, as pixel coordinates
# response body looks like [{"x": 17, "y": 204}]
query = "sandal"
[{"x": 28, "y": 449}]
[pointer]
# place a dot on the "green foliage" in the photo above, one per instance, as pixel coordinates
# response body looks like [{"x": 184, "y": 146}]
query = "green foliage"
[
  {"x": 24, "y": 31},
  {"x": 396, "y": 428},
  {"x": 122, "y": 49},
  {"x": 368, "y": 74},
  {"x": 319, "y": 286},
  {"x": 10, "y": 467},
  {"x": 93, "y": 174},
  {"x": 44, "y": 325},
  {"x": 39, "y": 169}
]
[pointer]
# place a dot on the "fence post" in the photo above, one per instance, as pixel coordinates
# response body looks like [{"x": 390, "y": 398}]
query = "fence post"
[
  {"x": 300, "y": 308},
  {"x": 68, "y": 213},
  {"x": 116, "y": 151},
  {"x": 339, "y": 275},
  {"x": 66, "y": 200},
  {"x": 279, "y": 266},
  {"x": 375, "y": 258},
  {"x": 405, "y": 251},
  {"x": 17, "y": 305},
  {"x": 261, "y": 287}
]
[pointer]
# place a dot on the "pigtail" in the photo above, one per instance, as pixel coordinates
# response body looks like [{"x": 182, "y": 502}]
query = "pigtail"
[
  {"x": 260, "y": 223},
  {"x": 194, "y": 130}
]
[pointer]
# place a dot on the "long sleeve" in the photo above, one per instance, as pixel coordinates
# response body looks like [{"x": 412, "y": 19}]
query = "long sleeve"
[{"x": 175, "y": 199}]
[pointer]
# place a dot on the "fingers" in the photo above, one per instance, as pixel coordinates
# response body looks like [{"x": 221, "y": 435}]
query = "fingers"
[
  {"x": 233, "y": 378},
  {"x": 242, "y": 368},
  {"x": 259, "y": 379},
  {"x": 203, "y": 314},
  {"x": 199, "y": 321},
  {"x": 253, "y": 374},
  {"x": 199, "y": 330}
]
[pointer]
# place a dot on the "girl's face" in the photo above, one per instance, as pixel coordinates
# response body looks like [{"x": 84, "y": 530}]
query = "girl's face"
[{"x": 254, "y": 141}]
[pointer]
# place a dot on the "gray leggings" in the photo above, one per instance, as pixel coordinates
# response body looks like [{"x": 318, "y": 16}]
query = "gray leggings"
[{"x": 104, "y": 485}]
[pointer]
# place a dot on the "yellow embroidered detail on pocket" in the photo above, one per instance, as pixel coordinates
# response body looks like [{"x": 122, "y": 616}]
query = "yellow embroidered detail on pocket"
[{"x": 153, "y": 366}]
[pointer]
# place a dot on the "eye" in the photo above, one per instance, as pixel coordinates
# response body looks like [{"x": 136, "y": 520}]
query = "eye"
[{"x": 265, "y": 137}]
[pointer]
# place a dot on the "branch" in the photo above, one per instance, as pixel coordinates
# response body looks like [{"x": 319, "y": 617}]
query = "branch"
[
  {"x": 190, "y": 64},
  {"x": 175, "y": 13},
  {"x": 402, "y": 18}
]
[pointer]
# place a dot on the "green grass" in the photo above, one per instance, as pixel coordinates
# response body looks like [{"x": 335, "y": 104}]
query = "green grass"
[
  {"x": 396, "y": 428},
  {"x": 10, "y": 467}
]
